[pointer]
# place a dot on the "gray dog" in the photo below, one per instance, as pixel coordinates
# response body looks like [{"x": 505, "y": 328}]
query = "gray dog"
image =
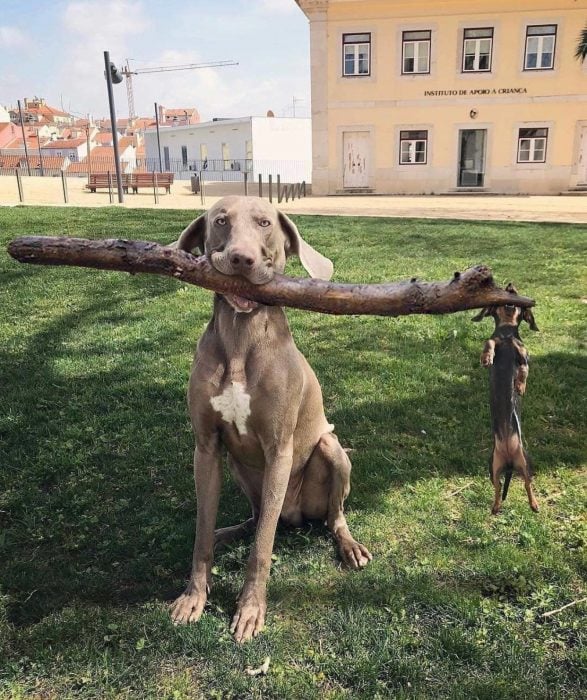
[{"x": 252, "y": 391}]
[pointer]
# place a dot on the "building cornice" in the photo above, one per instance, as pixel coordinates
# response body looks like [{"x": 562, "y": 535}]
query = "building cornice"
[{"x": 310, "y": 7}]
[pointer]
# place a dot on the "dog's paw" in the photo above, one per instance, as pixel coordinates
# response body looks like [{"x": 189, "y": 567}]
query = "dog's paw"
[
  {"x": 520, "y": 387},
  {"x": 188, "y": 607},
  {"x": 249, "y": 618},
  {"x": 354, "y": 554},
  {"x": 487, "y": 359}
]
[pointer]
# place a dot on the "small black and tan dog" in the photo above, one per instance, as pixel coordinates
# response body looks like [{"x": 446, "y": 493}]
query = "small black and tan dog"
[{"x": 507, "y": 357}]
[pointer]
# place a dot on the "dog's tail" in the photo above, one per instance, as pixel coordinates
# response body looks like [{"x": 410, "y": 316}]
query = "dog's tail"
[{"x": 508, "y": 471}]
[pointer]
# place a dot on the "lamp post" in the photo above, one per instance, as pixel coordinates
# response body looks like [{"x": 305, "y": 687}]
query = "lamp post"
[
  {"x": 158, "y": 137},
  {"x": 114, "y": 76},
  {"x": 26, "y": 150}
]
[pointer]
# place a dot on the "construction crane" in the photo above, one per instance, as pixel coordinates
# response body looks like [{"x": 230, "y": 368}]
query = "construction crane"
[{"x": 128, "y": 73}]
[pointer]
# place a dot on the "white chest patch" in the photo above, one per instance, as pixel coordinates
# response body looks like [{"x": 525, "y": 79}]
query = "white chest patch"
[{"x": 234, "y": 405}]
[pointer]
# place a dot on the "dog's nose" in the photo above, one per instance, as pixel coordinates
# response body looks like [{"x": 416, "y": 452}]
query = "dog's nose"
[{"x": 240, "y": 259}]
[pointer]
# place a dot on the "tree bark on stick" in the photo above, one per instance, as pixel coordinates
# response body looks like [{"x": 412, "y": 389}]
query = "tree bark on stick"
[{"x": 471, "y": 289}]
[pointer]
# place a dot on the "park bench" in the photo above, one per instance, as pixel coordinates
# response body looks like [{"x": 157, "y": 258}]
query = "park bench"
[
  {"x": 130, "y": 181},
  {"x": 148, "y": 180},
  {"x": 101, "y": 181}
]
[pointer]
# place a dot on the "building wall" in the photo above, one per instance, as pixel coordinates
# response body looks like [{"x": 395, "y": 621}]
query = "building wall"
[
  {"x": 284, "y": 146},
  {"x": 447, "y": 100},
  {"x": 233, "y": 132},
  {"x": 74, "y": 154},
  {"x": 263, "y": 145}
]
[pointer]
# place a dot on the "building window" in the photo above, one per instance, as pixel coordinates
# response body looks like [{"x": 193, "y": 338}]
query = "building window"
[
  {"x": 356, "y": 54},
  {"x": 415, "y": 52},
  {"x": 532, "y": 145},
  {"x": 477, "y": 46},
  {"x": 226, "y": 156},
  {"x": 73, "y": 157},
  {"x": 413, "y": 147},
  {"x": 540, "y": 42},
  {"x": 184, "y": 155}
]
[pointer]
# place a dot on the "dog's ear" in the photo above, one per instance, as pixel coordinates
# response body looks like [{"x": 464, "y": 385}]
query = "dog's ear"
[
  {"x": 528, "y": 316},
  {"x": 193, "y": 236},
  {"x": 315, "y": 263},
  {"x": 510, "y": 288},
  {"x": 487, "y": 311}
]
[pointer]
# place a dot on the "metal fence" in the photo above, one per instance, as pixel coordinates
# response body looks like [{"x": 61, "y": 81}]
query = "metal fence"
[
  {"x": 209, "y": 170},
  {"x": 60, "y": 187}
]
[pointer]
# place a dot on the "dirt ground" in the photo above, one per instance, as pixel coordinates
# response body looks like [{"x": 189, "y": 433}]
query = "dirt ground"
[{"x": 570, "y": 209}]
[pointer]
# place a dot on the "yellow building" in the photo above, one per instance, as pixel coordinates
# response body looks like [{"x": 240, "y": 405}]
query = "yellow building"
[{"x": 438, "y": 96}]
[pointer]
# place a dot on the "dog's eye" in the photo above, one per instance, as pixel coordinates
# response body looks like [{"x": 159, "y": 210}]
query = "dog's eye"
[
  {"x": 264, "y": 223},
  {"x": 220, "y": 221}
]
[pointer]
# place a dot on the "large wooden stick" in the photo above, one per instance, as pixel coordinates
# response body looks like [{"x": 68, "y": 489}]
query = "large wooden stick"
[{"x": 471, "y": 289}]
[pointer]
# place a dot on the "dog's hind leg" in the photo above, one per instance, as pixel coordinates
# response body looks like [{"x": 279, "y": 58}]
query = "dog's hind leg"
[
  {"x": 327, "y": 483},
  {"x": 522, "y": 464},
  {"x": 498, "y": 464}
]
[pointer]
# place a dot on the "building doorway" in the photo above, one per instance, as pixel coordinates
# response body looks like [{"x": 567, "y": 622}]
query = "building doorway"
[
  {"x": 472, "y": 157},
  {"x": 582, "y": 160},
  {"x": 356, "y": 159}
]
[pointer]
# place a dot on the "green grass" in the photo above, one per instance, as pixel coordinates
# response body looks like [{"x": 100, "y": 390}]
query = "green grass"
[{"x": 96, "y": 494}]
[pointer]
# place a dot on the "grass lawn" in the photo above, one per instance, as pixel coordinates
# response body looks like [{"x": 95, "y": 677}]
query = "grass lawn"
[{"x": 96, "y": 494}]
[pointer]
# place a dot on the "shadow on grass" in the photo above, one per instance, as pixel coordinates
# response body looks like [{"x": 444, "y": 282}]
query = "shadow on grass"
[{"x": 98, "y": 489}]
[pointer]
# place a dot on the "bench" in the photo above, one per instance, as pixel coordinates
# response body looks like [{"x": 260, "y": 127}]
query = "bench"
[
  {"x": 148, "y": 180},
  {"x": 100, "y": 181},
  {"x": 131, "y": 181}
]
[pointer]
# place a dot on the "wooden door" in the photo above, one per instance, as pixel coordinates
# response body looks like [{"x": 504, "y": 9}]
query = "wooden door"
[{"x": 356, "y": 159}]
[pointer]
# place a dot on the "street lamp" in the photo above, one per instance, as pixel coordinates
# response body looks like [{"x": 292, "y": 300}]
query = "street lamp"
[{"x": 113, "y": 75}]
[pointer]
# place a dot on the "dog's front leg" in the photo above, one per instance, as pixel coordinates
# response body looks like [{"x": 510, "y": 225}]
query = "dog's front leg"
[
  {"x": 488, "y": 353},
  {"x": 249, "y": 618},
  {"x": 208, "y": 477}
]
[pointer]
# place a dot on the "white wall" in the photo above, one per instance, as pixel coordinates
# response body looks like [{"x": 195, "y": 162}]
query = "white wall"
[
  {"x": 234, "y": 132},
  {"x": 279, "y": 146},
  {"x": 284, "y": 147},
  {"x": 4, "y": 116}
]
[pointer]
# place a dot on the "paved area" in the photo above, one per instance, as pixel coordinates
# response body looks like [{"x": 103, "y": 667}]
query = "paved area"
[{"x": 571, "y": 209}]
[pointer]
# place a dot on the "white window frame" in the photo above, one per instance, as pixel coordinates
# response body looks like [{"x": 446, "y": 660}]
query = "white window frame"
[
  {"x": 416, "y": 43},
  {"x": 534, "y": 145},
  {"x": 412, "y": 144},
  {"x": 540, "y": 37},
  {"x": 356, "y": 48},
  {"x": 476, "y": 41}
]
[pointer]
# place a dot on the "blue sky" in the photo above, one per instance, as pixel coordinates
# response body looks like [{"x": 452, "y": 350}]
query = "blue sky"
[{"x": 54, "y": 49}]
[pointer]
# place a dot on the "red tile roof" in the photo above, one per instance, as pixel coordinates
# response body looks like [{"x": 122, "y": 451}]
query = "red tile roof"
[
  {"x": 97, "y": 165},
  {"x": 49, "y": 162},
  {"x": 18, "y": 143},
  {"x": 104, "y": 138},
  {"x": 180, "y": 112},
  {"x": 9, "y": 162},
  {"x": 64, "y": 143},
  {"x": 125, "y": 142}
]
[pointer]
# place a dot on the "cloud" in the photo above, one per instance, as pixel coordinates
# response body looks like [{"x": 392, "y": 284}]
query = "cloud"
[
  {"x": 281, "y": 7},
  {"x": 11, "y": 37},
  {"x": 109, "y": 19},
  {"x": 92, "y": 27},
  {"x": 215, "y": 92}
]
